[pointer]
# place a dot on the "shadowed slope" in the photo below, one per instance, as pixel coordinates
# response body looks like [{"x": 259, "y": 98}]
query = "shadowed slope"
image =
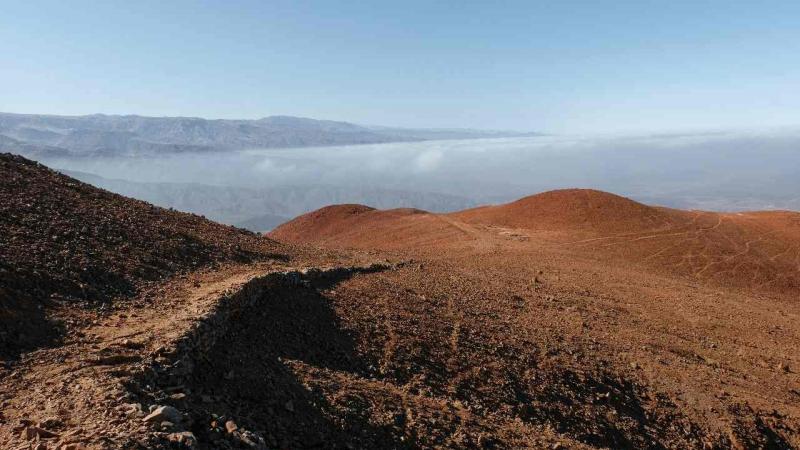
[{"x": 65, "y": 241}]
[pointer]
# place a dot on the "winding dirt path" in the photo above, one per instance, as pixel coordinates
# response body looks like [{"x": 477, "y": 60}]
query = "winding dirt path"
[{"x": 81, "y": 403}]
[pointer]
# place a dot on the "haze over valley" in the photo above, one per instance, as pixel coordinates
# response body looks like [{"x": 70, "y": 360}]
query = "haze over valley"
[{"x": 259, "y": 188}]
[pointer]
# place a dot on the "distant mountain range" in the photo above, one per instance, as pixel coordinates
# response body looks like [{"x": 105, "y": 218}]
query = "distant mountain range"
[{"x": 108, "y": 135}]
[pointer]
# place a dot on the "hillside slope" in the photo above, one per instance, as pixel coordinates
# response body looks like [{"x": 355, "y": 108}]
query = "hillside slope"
[
  {"x": 441, "y": 333},
  {"x": 618, "y": 324},
  {"x": 67, "y": 242},
  {"x": 572, "y": 210},
  {"x": 756, "y": 250}
]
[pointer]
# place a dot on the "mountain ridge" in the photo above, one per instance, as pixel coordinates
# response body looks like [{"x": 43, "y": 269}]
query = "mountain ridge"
[{"x": 135, "y": 135}]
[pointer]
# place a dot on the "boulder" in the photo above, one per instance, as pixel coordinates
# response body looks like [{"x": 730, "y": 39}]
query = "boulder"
[
  {"x": 186, "y": 438},
  {"x": 164, "y": 413}
]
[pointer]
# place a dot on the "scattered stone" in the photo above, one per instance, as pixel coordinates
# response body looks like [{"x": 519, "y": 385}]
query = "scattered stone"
[
  {"x": 186, "y": 438},
  {"x": 252, "y": 440},
  {"x": 230, "y": 426},
  {"x": 73, "y": 432},
  {"x": 52, "y": 423},
  {"x": 127, "y": 343},
  {"x": 164, "y": 413},
  {"x": 73, "y": 446},
  {"x": 30, "y": 433},
  {"x": 131, "y": 408}
]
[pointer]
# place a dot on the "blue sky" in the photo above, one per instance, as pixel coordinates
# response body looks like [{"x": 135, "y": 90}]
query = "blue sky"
[{"x": 558, "y": 66}]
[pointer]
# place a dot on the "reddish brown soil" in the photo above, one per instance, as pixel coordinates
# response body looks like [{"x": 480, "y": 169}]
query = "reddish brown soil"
[
  {"x": 518, "y": 326},
  {"x": 572, "y": 210},
  {"x": 759, "y": 251},
  {"x": 367, "y": 228},
  {"x": 687, "y": 317},
  {"x": 64, "y": 242}
]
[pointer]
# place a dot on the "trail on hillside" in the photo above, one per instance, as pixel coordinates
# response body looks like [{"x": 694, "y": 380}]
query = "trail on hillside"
[{"x": 81, "y": 374}]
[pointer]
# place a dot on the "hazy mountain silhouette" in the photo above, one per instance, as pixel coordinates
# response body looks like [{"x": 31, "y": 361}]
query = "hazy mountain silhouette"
[{"x": 100, "y": 134}]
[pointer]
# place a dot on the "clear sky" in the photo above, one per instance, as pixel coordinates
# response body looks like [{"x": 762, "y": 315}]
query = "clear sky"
[{"x": 556, "y": 66}]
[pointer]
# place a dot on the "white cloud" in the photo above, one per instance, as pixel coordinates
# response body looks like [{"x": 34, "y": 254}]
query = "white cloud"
[{"x": 428, "y": 160}]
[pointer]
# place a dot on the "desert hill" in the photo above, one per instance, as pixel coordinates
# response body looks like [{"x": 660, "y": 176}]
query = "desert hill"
[
  {"x": 691, "y": 301},
  {"x": 365, "y": 227},
  {"x": 579, "y": 212},
  {"x": 757, "y": 250},
  {"x": 572, "y": 209},
  {"x": 527, "y": 325},
  {"x": 64, "y": 241}
]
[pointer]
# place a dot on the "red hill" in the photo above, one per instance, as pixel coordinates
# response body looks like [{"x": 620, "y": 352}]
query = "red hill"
[
  {"x": 324, "y": 221},
  {"x": 364, "y": 227},
  {"x": 755, "y": 250},
  {"x": 572, "y": 209}
]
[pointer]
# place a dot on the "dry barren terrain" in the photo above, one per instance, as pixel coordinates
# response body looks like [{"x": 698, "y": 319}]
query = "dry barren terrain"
[
  {"x": 609, "y": 322},
  {"x": 569, "y": 319}
]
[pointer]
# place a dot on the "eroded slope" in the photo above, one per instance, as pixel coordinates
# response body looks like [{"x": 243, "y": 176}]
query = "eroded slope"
[{"x": 64, "y": 243}]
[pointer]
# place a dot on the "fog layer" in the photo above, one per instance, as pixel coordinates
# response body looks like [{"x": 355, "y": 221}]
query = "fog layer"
[{"x": 714, "y": 171}]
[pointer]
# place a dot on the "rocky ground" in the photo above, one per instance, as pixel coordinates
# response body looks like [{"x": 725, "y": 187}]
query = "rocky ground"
[
  {"x": 65, "y": 243},
  {"x": 396, "y": 329},
  {"x": 576, "y": 327}
]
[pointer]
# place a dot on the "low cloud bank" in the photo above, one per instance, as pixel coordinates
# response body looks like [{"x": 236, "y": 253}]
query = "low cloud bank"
[{"x": 718, "y": 171}]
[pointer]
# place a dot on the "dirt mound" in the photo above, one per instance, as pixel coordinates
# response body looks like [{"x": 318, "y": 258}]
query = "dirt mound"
[
  {"x": 322, "y": 221},
  {"x": 361, "y": 226},
  {"x": 753, "y": 250},
  {"x": 65, "y": 242},
  {"x": 571, "y": 209}
]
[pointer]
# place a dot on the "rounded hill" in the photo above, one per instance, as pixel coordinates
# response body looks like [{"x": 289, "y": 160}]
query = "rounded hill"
[
  {"x": 365, "y": 227},
  {"x": 571, "y": 209}
]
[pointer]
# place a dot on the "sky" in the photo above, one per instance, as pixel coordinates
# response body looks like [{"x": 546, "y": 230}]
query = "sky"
[{"x": 555, "y": 66}]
